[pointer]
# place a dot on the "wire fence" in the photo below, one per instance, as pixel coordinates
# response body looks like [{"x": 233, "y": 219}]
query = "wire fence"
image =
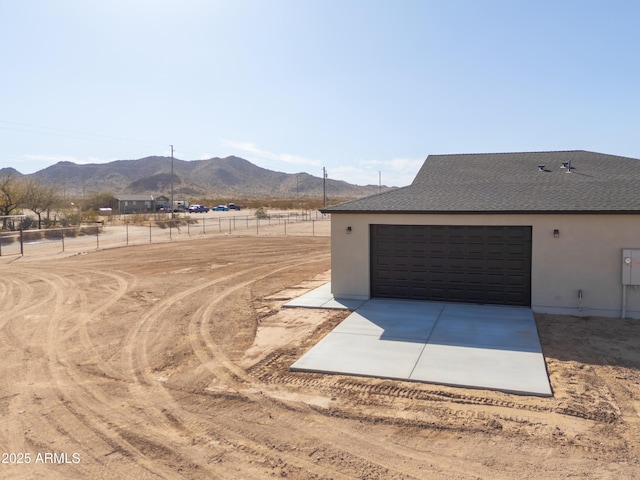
[{"x": 121, "y": 232}]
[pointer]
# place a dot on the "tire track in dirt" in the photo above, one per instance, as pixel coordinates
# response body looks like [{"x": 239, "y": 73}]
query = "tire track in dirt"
[
  {"x": 260, "y": 438},
  {"x": 134, "y": 410},
  {"x": 168, "y": 411},
  {"x": 61, "y": 369},
  {"x": 20, "y": 295},
  {"x": 11, "y": 290},
  {"x": 87, "y": 315},
  {"x": 63, "y": 388},
  {"x": 271, "y": 370},
  {"x": 207, "y": 350},
  {"x": 18, "y": 325},
  {"x": 160, "y": 410},
  {"x": 231, "y": 376},
  {"x": 627, "y": 395},
  {"x": 378, "y": 398},
  {"x": 85, "y": 407},
  {"x": 32, "y": 340},
  {"x": 237, "y": 379}
]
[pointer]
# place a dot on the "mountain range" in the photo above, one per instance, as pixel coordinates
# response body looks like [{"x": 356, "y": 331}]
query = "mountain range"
[{"x": 216, "y": 177}]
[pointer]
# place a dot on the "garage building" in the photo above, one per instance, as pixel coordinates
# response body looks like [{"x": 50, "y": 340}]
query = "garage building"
[{"x": 549, "y": 230}]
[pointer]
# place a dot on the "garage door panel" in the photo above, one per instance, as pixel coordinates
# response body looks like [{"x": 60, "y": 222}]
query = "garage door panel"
[
  {"x": 459, "y": 278},
  {"x": 475, "y": 296},
  {"x": 516, "y": 263},
  {"x": 474, "y": 279},
  {"x": 517, "y": 280},
  {"x": 514, "y": 298},
  {"x": 479, "y": 264},
  {"x": 382, "y": 275},
  {"x": 495, "y": 279},
  {"x": 474, "y": 264}
]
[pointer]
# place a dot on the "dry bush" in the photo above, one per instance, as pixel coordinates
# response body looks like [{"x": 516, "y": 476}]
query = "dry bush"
[
  {"x": 53, "y": 234},
  {"x": 7, "y": 239},
  {"x": 31, "y": 235},
  {"x": 138, "y": 218},
  {"x": 71, "y": 232},
  {"x": 90, "y": 216},
  {"x": 89, "y": 230}
]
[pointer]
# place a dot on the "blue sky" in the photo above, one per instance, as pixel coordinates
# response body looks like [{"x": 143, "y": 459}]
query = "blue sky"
[{"x": 356, "y": 86}]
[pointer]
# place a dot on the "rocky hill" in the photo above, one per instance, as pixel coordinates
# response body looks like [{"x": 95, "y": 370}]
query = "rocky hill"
[
  {"x": 222, "y": 177},
  {"x": 10, "y": 172}
]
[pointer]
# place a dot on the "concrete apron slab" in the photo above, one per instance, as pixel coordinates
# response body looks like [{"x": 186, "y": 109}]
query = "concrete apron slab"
[
  {"x": 322, "y": 297},
  {"x": 477, "y": 346}
]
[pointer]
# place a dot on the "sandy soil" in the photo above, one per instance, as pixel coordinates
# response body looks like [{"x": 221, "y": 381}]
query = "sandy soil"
[{"x": 166, "y": 361}]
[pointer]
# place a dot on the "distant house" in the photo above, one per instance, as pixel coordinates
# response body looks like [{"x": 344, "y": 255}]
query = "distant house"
[
  {"x": 555, "y": 231},
  {"x": 135, "y": 203},
  {"x": 162, "y": 201}
]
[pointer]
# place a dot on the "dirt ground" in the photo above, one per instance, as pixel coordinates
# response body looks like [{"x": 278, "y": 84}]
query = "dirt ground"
[{"x": 166, "y": 361}]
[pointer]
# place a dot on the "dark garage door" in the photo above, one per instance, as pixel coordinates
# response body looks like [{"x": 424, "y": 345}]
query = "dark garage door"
[{"x": 473, "y": 264}]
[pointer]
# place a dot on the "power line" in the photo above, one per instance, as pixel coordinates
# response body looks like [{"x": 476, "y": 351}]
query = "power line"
[
  {"x": 94, "y": 137},
  {"x": 67, "y": 133}
]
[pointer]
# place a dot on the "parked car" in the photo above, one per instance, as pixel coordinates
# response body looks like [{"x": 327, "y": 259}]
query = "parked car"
[
  {"x": 198, "y": 209},
  {"x": 221, "y": 208},
  {"x": 233, "y": 206}
]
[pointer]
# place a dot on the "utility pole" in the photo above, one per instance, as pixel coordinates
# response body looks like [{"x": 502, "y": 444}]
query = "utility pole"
[
  {"x": 379, "y": 181},
  {"x": 172, "y": 205},
  {"x": 324, "y": 186}
]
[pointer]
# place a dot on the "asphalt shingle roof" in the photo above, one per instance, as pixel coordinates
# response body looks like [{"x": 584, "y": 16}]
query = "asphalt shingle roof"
[
  {"x": 513, "y": 183},
  {"x": 134, "y": 198}
]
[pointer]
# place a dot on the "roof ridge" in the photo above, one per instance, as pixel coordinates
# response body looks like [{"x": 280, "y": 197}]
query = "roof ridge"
[{"x": 508, "y": 153}]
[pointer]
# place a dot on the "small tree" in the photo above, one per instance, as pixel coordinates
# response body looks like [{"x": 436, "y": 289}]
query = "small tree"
[
  {"x": 40, "y": 198},
  {"x": 13, "y": 192},
  {"x": 99, "y": 200}
]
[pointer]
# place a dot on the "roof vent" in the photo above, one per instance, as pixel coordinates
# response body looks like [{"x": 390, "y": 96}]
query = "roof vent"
[
  {"x": 567, "y": 166},
  {"x": 541, "y": 168}
]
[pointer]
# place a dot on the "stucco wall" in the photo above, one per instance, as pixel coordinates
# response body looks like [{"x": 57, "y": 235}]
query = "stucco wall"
[{"x": 587, "y": 256}]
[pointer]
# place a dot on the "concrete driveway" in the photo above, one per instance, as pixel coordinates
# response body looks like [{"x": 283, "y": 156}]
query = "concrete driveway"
[{"x": 478, "y": 346}]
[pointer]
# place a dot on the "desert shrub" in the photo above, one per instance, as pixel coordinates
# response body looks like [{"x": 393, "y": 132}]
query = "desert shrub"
[
  {"x": 138, "y": 218},
  {"x": 27, "y": 223},
  {"x": 71, "y": 219},
  {"x": 175, "y": 223},
  {"x": 90, "y": 216},
  {"x": 32, "y": 235},
  {"x": 52, "y": 234},
  {"x": 261, "y": 213},
  {"x": 70, "y": 232},
  {"x": 7, "y": 239},
  {"x": 89, "y": 230}
]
